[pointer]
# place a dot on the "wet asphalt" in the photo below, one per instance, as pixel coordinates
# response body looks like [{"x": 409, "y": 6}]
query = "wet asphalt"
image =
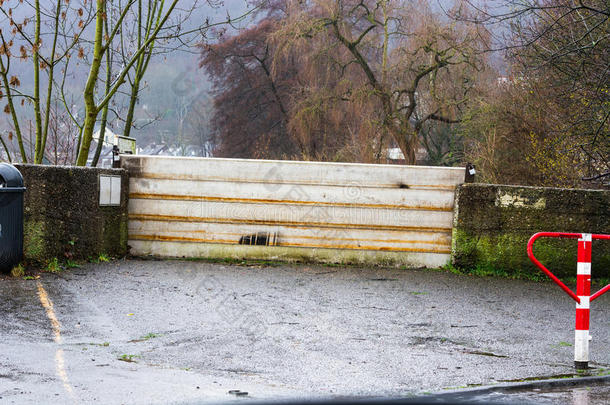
[{"x": 139, "y": 331}]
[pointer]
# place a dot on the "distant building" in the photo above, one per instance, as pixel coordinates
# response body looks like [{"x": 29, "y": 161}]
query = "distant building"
[
  {"x": 502, "y": 80},
  {"x": 109, "y": 136},
  {"x": 395, "y": 155}
]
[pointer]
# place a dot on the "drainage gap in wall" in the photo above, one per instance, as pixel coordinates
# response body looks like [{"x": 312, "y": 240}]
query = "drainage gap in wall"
[{"x": 260, "y": 239}]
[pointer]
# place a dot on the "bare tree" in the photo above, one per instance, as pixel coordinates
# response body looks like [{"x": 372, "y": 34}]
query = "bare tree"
[
  {"x": 113, "y": 40},
  {"x": 417, "y": 68},
  {"x": 251, "y": 108},
  {"x": 100, "y": 44},
  {"x": 66, "y": 23},
  {"x": 558, "y": 50}
]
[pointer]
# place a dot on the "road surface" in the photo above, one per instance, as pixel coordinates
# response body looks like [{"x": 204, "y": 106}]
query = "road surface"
[{"x": 141, "y": 331}]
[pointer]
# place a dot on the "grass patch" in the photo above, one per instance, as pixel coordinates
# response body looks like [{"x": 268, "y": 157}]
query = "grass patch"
[
  {"x": 129, "y": 358},
  {"x": 71, "y": 264},
  {"x": 18, "y": 271},
  {"x": 103, "y": 344},
  {"x": 150, "y": 336},
  {"x": 562, "y": 344},
  {"x": 101, "y": 258},
  {"x": 489, "y": 271},
  {"x": 53, "y": 266},
  {"x": 146, "y": 337}
]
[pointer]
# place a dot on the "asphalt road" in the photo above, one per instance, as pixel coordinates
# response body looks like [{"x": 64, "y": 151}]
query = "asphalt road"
[{"x": 182, "y": 331}]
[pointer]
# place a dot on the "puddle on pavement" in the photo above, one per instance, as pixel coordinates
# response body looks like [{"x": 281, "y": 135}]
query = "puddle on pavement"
[{"x": 592, "y": 395}]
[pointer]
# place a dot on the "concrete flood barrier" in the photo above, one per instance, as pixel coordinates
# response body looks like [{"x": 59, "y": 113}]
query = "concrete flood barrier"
[{"x": 288, "y": 210}]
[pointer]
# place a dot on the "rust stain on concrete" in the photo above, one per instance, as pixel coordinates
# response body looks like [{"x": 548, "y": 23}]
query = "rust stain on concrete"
[
  {"x": 306, "y": 225},
  {"x": 174, "y": 197}
]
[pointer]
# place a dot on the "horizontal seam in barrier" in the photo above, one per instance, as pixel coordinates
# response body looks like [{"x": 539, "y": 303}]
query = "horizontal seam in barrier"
[
  {"x": 274, "y": 228},
  {"x": 426, "y": 242},
  {"x": 171, "y": 218},
  {"x": 441, "y": 187},
  {"x": 159, "y": 238},
  {"x": 174, "y": 197}
]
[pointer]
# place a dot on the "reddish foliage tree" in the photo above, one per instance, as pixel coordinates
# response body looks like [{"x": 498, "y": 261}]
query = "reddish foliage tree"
[{"x": 251, "y": 112}]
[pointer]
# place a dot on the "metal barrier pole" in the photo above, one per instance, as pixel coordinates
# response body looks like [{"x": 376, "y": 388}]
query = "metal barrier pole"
[
  {"x": 583, "y": 290},
  {"x": 583, "y": 295}
]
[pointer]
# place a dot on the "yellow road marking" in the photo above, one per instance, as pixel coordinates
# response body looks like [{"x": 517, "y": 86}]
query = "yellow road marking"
[
  {"x": 60, "y": 368},
  {"x": 61, "y": 371},
  {"x": 48, "y": 307}
]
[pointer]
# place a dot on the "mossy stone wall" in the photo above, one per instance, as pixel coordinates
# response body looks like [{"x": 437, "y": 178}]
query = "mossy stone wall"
[
  {"x": 63, "y": 218},
  {"x": 493, "y": 223}
]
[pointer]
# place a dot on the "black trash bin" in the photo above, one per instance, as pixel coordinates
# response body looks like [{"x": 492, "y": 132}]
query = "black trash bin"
[{"x": 11, "y": 216}]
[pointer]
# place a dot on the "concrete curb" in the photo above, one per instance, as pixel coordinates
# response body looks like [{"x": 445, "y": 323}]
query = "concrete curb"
[
  {"x": 520, "y": 386},
  {"x": 459, "y": 397}
]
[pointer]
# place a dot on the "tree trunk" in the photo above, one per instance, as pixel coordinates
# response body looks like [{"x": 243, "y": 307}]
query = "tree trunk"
[
  {"x": 51, "y": 67},
  {"x": 91, "y": 109},
  {"x": 38, "y": 154},
  {"x": 102, "y": 137},
  {"x": 407, "y": 142},
  {"x": 135, "y": 88}
]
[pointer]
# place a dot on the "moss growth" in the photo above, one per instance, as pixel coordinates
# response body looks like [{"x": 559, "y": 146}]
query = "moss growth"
[
  {"x": 505, "y": 255},
  {"x": 493, "y": 224},
  {"x": 34, "y": 243},
  {"x": 124, "y": 233}
]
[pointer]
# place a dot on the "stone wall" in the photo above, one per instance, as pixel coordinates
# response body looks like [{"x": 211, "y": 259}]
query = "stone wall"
[
  {"x": 63, "y": 217},
  {"x": 492, "y": 224}
]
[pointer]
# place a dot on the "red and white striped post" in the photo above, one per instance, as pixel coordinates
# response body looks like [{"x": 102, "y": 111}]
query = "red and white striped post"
[
  {"x": 583, "y": 296},
  {"x": 583, "y": 291}
]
